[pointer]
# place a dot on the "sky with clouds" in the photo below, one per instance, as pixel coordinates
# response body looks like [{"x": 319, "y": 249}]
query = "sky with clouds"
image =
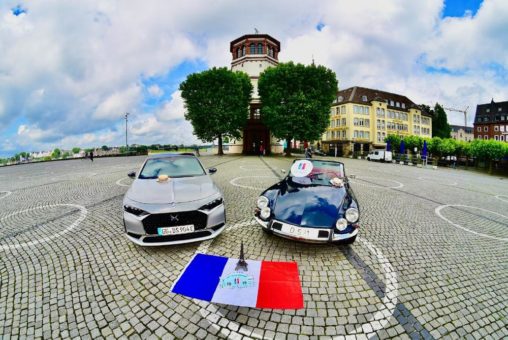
[{"x": 69, "y": 70}]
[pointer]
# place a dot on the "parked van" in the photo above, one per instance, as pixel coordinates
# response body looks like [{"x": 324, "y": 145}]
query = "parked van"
[{"x": 380, "y": 155}]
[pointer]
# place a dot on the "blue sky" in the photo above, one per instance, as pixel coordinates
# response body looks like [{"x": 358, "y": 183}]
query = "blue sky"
[
  {"x": 70, "y": 71},
  {"x": 458, "y": 8}
]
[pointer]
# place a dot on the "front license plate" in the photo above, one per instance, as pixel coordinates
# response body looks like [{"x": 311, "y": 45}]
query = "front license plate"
[
  {"x": 300, "y": 232},
  {"x": 181, "y": 229}
]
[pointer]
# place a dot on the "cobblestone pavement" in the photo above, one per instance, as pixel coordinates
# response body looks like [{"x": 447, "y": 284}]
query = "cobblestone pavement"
[{"x": 431, "y": 260}]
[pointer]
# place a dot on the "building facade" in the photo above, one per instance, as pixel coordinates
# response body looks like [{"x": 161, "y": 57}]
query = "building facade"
[
  {"x": 252, "y": 54},
  {"x": 361, "y": 118},
  {"x": 460, "y": 133},
  {"x": 491, "y": 121}
]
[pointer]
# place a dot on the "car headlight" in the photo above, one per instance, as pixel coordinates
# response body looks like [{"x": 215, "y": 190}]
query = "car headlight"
[
  {"x": 212, "y": 204},
  {"x": 341, "y": 224},
  {"x": 262, "y": 202},
  {"x": 134, "y": 210},
  {"x": 265, "y": 213},
  {"x": 352, "y": 215}
]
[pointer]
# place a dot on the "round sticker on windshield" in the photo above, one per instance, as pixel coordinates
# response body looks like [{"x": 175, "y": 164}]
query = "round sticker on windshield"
[{"x": 301, "y": 168}]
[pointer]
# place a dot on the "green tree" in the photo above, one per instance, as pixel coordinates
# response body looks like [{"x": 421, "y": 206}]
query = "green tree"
[
  {"x": 488, "y": 150},
  {"x": 217, "y": 103},
  {"x": 394, "y": 141},
  {"x": 463, "y": 149},
  {"x": 76, "y": 150},
  {"x": 296, "y": 100},
  {"x": 104, "y": 148},
  {"x": 66, "y": 155},
  {"x": 440, "y": 126},
  {"x": 56, "y": 153},
  {"x": 448, "y": 147},
  {"x": 413, "y": 142}
]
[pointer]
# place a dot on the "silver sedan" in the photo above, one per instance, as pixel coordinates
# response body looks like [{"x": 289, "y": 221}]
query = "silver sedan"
[{"x": 173, "y": 200}]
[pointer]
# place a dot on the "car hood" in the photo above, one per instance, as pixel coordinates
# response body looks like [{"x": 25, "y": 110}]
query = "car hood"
[
  {"x": 175, "y": 190},
  {"x": 313, "y": 206}
]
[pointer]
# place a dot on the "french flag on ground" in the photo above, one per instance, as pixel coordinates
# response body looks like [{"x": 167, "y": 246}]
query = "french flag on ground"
[{"x": 265, "y": 284}]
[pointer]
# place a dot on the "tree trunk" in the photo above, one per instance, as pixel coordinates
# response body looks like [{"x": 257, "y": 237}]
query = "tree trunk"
[
  {"x": 288, "y": 148},
  {"x": 220, "y": 152}
]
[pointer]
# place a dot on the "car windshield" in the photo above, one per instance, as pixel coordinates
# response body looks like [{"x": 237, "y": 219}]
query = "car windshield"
[
  {"x": 315, "y": 172},
  {"x": 177, "y": 166}
]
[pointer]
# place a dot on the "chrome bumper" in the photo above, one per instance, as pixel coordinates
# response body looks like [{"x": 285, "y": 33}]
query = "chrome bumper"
[{"x": 334, "y": 238}]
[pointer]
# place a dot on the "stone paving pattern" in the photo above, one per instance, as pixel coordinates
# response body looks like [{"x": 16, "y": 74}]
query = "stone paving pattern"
[{"x": 91, "y": 282}]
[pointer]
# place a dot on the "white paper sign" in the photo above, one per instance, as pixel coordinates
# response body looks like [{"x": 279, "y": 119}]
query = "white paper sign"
[{"x": 301, "y": 168}]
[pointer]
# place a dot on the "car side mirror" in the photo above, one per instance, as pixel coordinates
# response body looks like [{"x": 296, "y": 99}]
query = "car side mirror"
[
  {"x": 212, "y": 171},
  {"x": 352, "y": 176},
  {"x": 283, "y": 171},
  {"x": 132, "y": 174}
]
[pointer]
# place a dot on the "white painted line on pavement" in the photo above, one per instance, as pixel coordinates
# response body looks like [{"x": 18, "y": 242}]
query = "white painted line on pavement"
[
  {"x": 119, "y": 182},
  {"x": 234, "y": 180},
  {"x": 7, "y": 193},
  {"x": 399, "y": 184},
  {"x": 83, "y": 212},
  {"x": 503, "y": 198},
  {"x": 440, "y": 215}
]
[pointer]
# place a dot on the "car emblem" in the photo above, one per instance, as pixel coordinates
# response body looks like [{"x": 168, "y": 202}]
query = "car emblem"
[{"x": 174, "y": 218}]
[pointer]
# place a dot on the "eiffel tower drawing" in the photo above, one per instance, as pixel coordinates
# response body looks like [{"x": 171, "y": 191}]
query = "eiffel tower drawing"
[{"x": 241, "y": 265}]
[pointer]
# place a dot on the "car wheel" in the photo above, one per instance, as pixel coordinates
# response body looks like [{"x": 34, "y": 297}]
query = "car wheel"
[
  {"x": 267, "y": 231},
  {"x": 350, "y": 240},
  {"x": 368, "y": 159}
]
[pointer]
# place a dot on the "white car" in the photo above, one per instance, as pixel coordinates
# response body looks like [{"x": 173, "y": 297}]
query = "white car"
[{"x": 380, "y": 155}]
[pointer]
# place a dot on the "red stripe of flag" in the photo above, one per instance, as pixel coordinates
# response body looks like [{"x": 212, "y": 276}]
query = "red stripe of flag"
[{"x": 279, "y": 286}]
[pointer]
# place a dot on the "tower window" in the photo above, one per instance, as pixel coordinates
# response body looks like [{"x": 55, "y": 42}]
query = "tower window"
[
  {"x": 243, "y": 50},
  {"x": 257, "y": 114},
  {"x": 270, "y": 51},
  {"x": 252, "y": 48},
  {"x": 260, "y": 48},
  {"x": 364, "y": 98},
  {"x": 238, "y": 52}
]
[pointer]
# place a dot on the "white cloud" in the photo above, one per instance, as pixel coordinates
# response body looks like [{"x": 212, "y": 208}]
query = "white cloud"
[
  {"x": 30, "y": 134},
  {"x": 155, "y": 91},
  {"x": 172, "y": 109},
  {"x": 117, "y": 104}
]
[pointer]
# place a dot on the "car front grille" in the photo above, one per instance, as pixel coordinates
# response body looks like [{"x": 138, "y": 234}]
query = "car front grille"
[
  {"x": 154, "y": 221},
  {"x": 172, "y": 238}
]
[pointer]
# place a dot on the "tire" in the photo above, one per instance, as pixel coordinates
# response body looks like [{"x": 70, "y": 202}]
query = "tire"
[
  {"x": 368, "y": 159},
  {"x": 349, "y": 241},
  {"x": 267, "y": 231}
]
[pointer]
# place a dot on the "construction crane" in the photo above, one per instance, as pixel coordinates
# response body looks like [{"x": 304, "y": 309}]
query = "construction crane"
[{"x": 463, "y": 111}]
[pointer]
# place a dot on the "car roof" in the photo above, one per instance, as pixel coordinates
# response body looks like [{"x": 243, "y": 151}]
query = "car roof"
[{"x": 168, "y": 155}]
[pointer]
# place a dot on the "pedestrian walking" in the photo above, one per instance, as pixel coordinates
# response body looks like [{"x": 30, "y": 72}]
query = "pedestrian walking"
[
  {"x": 91, "y": 155},
  {"x": 261, "y": 149},
  {"x": 308, "y": 153}
]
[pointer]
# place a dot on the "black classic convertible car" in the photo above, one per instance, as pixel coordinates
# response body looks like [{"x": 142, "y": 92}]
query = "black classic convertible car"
[{"x": 313, "y": 203}]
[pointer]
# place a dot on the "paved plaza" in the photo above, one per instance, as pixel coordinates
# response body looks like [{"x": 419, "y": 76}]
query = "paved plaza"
[{"x": 431, "y": 260}]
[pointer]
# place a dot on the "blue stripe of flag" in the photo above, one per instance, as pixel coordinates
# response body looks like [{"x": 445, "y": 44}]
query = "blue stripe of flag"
[{"x": 201, "y": 277}]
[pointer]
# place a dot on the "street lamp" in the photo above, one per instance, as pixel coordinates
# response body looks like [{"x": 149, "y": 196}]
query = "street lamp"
[{"x": 126, "y": 120}]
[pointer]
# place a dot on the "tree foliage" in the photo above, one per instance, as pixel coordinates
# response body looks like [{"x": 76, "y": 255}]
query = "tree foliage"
[
  {"x": 76, "y": 150},
  {"x": 484, "y": 150},
  {"x": 394, "y": 141},
  {"x": 217, "y": 102},
  {"x": 440, "y": 126},
  {"x": 56, "y": 153},
  {"x": 296, "y": 100}
]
